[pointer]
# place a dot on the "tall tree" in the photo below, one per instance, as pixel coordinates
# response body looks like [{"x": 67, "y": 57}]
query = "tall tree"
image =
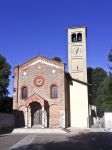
[
  {"x": 57, "y": 59},
  {"x": 104, "y": 98},
  {"x": 4, "y": 77},
  {"x": 95, "y": 77},
  {"x": 110, "y": 59}
]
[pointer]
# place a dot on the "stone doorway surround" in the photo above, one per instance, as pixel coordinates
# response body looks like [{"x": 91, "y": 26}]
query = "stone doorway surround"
[
  {"x": 35, "y": 114},
  {"x": 41, "y": 101}
]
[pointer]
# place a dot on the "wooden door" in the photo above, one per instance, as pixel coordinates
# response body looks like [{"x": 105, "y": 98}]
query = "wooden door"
[{"x": 38, "y": 117}]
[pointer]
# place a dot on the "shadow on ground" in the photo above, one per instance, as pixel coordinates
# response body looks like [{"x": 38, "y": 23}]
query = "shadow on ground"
[
  {"x": 6, "y": 131},
  {"x": 83, "y": 141}
]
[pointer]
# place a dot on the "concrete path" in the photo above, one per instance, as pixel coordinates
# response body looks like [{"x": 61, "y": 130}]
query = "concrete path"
[
  {"x": 8, "y": 140},
  {"x": 38, "y": 131},
  {"x": 24, "y": 143},
  {"x": 78, "y": 139}
]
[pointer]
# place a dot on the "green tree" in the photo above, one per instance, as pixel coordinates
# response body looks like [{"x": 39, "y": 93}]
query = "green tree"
[
  {"x": 7, "y": 104},
  {"x": 104, "y": 99},
  {"x": 104, "y": 94},
  {"x": 57, "y": 59},
  {"x": 4, "y": 78},
  {"x": 110, "y": 59},
  {"x": 95, "y": 77}
]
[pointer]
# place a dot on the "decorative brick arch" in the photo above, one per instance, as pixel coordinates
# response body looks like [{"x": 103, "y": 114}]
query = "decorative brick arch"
[
  {"x": 21, "y": 107},
  {"x": 34, "y": 98}
]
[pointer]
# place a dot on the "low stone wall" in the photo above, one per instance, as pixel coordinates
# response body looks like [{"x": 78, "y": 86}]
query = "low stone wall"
[
  {"x": 7, "y": 121},
  {"x": 108, "y": 120}
]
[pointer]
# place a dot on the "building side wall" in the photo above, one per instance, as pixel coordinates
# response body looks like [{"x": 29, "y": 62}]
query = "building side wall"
[{"x": 79, "y": 105}]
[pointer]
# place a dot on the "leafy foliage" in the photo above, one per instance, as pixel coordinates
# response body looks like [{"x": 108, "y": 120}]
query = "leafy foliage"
[
  {"x": 110, "y": 59},
  {"x": 57, "y": 59},
  {"x": 104, "y": 92},
  {"x": 7, "y": 103},
  {"x": 95, "y": 77},
  {"x": 104, "y": 99},
  {"x": 4, "y": 77}
]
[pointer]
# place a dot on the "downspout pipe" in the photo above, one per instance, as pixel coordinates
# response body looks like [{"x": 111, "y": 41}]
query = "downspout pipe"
[{"x": 17, "y": 84}]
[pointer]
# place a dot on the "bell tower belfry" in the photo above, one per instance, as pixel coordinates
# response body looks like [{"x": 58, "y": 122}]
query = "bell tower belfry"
[
  {"x": 77, "y": 53},
  {"x": 78, "y": 71}
]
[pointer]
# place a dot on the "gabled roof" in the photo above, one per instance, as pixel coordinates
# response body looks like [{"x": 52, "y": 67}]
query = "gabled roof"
[
  {"x": 44, "y": 60},
  {"x": 76, "y": 27},
  {"x": 79, "y": 81}
]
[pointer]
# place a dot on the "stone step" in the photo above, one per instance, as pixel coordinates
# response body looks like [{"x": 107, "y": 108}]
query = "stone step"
[{"x": 40, "y": 131}]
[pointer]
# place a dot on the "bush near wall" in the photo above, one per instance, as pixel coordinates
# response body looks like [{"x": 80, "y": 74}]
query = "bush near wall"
[{"x": 6, "y": 105}]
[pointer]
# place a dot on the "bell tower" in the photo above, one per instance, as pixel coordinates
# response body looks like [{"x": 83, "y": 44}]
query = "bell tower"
[
  {"x": 77, "y": 53},
  {"x": 78, "y": 70}
]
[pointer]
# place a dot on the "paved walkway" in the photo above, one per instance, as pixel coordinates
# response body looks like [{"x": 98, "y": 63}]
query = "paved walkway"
[
  {"x": 24, "y": 143},
  {"x": 8, "y": 140},
  {"x": 39, "y": 131},
  {"x": 79, "y": 139}
]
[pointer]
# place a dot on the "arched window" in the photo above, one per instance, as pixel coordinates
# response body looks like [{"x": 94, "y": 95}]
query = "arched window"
[
  {"x": 54, "y": 93},
  {"x": 74, "y": 37},
  {"x": 79, "y": 37},
  {"x": 24, "y": 93}
]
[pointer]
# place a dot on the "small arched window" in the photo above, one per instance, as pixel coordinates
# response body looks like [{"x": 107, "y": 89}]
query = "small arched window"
[
  {"x": 79, "y": 37},
  {"x": 54, "y": 93},
  {"x": 73, "y": 37},
  {"x": 24, "y": 92}
]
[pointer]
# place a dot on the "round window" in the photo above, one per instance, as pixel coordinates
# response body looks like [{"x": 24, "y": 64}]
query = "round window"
[{"x": 39, "y": 81}]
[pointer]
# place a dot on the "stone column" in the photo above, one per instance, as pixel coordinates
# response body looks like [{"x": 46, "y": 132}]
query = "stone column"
[
  {"x": 29, "y": 117},
  {"x": 62, "y": 118},
  {"x": 26, "y": 117},
  {"x": 43, "y": 117}
]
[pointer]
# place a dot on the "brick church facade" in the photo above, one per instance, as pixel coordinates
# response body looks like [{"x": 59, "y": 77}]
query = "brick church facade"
[
  {"x": 41, "y": 92},
  {"x": 44, "y": 95}
]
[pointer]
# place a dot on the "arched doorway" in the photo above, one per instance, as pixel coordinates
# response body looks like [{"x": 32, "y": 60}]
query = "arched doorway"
[{"x": 36, "y": 114}]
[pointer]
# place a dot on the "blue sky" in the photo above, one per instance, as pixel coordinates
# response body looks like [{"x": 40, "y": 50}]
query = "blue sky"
[{"x": 32, "y": 27}]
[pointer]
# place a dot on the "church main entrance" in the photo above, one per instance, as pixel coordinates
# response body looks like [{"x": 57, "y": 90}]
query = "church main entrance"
[
  {"x": 36, "y": 114},
  {"x": 37, "y": 117}
]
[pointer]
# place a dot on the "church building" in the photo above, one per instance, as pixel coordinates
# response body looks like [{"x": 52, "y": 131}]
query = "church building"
[{"x": 45, "y": 95}]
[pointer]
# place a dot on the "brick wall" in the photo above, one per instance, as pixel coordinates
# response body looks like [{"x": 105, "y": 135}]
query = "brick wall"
[{"x": 52, "y": 73}]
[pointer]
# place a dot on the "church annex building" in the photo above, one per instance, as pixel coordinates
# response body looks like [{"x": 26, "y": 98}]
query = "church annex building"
[{"x": 46, "y": 96}]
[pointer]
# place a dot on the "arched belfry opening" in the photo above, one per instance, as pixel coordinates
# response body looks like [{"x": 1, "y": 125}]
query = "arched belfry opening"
[
  {"x": 74, "y": 37},
  {"x": 79, "y": 37}
]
